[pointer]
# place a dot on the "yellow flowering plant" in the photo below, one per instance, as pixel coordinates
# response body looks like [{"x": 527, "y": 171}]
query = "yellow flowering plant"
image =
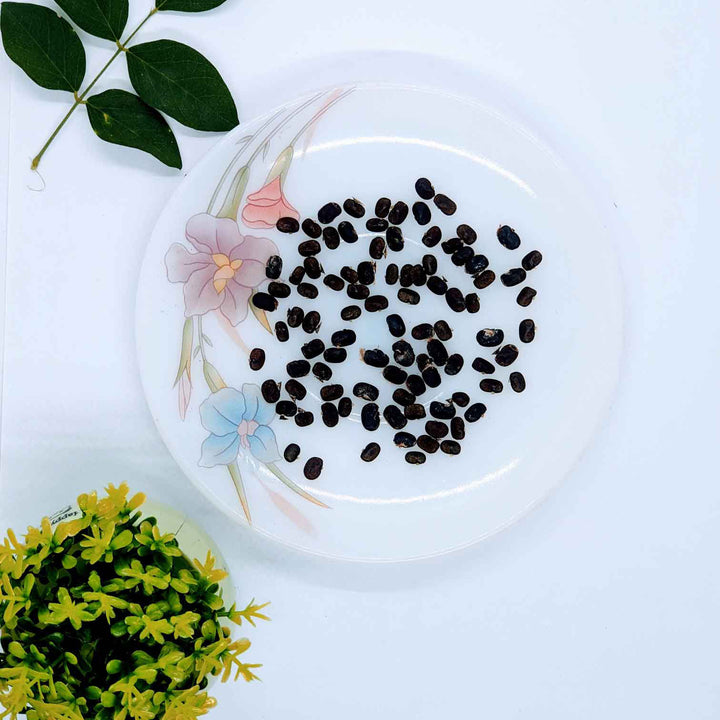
[{"x": 104, "y": 617}]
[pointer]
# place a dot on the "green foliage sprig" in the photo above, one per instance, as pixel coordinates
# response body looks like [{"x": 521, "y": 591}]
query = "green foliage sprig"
[
  {"x": 104, "y": 617},
  {"x": 169, "y": 77}
]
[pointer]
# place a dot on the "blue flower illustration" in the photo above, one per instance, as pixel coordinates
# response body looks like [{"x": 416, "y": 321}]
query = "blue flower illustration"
[{"x": 237, "y": 419}]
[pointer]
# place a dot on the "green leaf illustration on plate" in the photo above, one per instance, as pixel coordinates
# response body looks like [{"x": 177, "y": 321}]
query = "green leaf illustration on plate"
[
  {"x": 179, "y": 81},
  {"x": 102, "y": 18},
  {"x": 119, "y": 117},
  {"x": 188, "y": 5},
  {"x": 44, "y": 45}
]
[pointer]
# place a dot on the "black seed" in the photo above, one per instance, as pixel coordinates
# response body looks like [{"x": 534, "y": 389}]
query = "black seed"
[
  {"x": 370, "y": 452},
  {"x": 375, "y": 303},
  {"x": 270, "y": 391},
  {"x": 484, "y": 279},
  {"x": 429, "y": 264},
  {"x": 264, "y": 301},
  {"x": 312, "y": 349},
  {"x": 334, "y": 282},
  {"x": 312, "y": 322},
  {"x": 365, "y": 391},
  {"x": 455, "y": 299},
  {"x": 354, "y": 208},
  {"x": 445, "y": 204},
  {"x": 311, "y": 228},
  {"x": 295, "y": 389},
  {"x": 278, "y": 289},
  {"x": 423, "y": 361},
  {"x": 370, "y": 416},
  {"x": 442, "y": 410},
  {"x": 295, "y": 316},
  {"x": 297, "y": 275},
  {"x": 532, "y": 260},
  {"x": 421, "y": 213},
  {"x": 292, "y": 452},
  {"x": 366, "y": 272},
  {"x": 461, "y": 256},
  {"x": 377, "y": 248},
  {"x": 460, "y": 398},
  {"x": 309, "y": 247},
  {"x": 394, "y": 374},
  {"x": 286, "y": 408},
  {"x": 506, "y": 355},
  {"x": 454, "y": 364},
  {"x": 398, "y": 213},
  {"x": 508, "y": 237},
  {"x": 419, "y": 276},
  {"x": 525, "y": 296},
  {"x": 375, "y": 358},
  {"x": 513, "y": 277},
  {"x": 395, "y": 240},
  {"x": 343, "y": 338},
  {"x": 391, "y": 274},
  {"x": 490, "y": 337},
  {"x": 257, "y": 358},
  {"x": 442, "y": 330},
  {"x": 483, "y": 366},
  {"x": 423, "y": 331},
  {"x": 394, "y": 417},
  {"x": 437, "y": 351},
  {"x": 328, "y": 212},
  {"x": 475, "y": 412},
  {"x": 450, "y": 447},
  {"x": 457, "y": 428},
  {"x": 403, "y": 353},
  {"x": 313, "y": 468},
  {"x": 431, "y": 377},
  {"x": 472, "y": 303},
  {"x": 358, "y": 292},
  {"x": 415, "y": 384},
  {"x": 273, "y": 267},
  {"x": 432, "y": 236},
  {"x": 396, "y": 325},
  {"x": 349, "y": 274},
  {"x": 344, "y": 407},
  {"x": 408, "y": 296},
  {"x": 307, "y": 290},
  {"x": 347, "y": 232},
  {"x": 304, "y": 418},
  {"x": 436, "y": 429},
  {"x": 424, "y": 188},
  {"x": 281, "y": 331},
  {"x": 404, "y": 439},
  {"x": 298, "y": 368},
  {"x": 429, "y": 444},
  {"x": 321, "y": 371},
  {"x": 382, "y": 207},
  {"x": 414, "y": 411},
  {"x": 403, "y": 397},
  {"x": 476, "y": 264},
  {"x": 331, "y": 237},
  {"x": 451, "y": 246},
  {"x": 466, "y": 234},
  {"x": 406, "y": 275},
  {"x": 351, "y": 312},
  {"x": 527, "y": 331},
  {"x": 329, "y": 414},
  {"x": 331, "y": 392},
  {"x": 517, "y": 381},
  {"x": 414, "y": 458},
  {"x": 376, "y": 225},
  {"x": 335, "y": 355},
  {"x": 287, "y": 225},
  {"x": 313, "y": 268},
  {"x": 491, "y": 386}
]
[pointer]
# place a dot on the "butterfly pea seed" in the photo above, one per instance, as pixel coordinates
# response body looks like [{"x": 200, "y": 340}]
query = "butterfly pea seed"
[
  {"x": 415, "y": 411},
  {"x": 476, "y": 264},
  {"x": 281, "y": 331},
  {"x": 490, "y": 337},
  {"x": 517, "y": 381},
  {"x": 311, "y": 322},
  {"x": 295, "y": 389},
  {"x": 455, "y": 299},
  {"x": 472, "y": 303},
  {"x": 304, "y": 418},
  {"x": 437, "y": 351},
  {"x": 526, "y": 296},
  {"x": 450, "y": 447},
  {"x": 311, "y": 229},
  {"x": 270, "y": 391},
  {"x": 297, "y": 275},
  {"x": 423, "y": 361},
  {"x": 442, "y": 330},
  {"x": 406, "y": 275},
  {"x": 347, "y": 232},
  {"x": 366, "y": 391},
  {"x": 429, "y": 444},
  {"x": 396, "y": 325},
  {"x": 451, "y": 246},
  {"x": 395, "y": 239},
  {"x": 312, "y": 349},
  {"x": 375, "y": 358},
  {"x": 351, "y": 312},
  {"x": 432, "y": 236},
  {"x": 437, "y": 285},
  {"x": 491, "y": 386},
  {"x": 403, "y": 353},
  {"x": 394, "y": 417},
  {"x": 445, "y": 204},
  {"x": 382, "y": 207},
  {"x": 313, "y": 468},
  {"x": 287, "y": 225},
  {"x": 298, "y": 368},
  {"x": 321, "y": 371},
  {"x": 403, "y": 397},
  {"x": 461, "y": 256},
  {"x": 331, "y": 237},
  {"x": 431, "y": 377},
  {"x": 457, "y": 428},
  {"x": 506, "y": 355},
  {"x": 370, "y": 452},
  {"x": 414, "y": 457},
  {"x": 329, "y": 414},
  {"x": 461, "y": 399},
  {"x": 370, "y": 416},
  {"x": 335, "y": 355},
  {"x": 273, "y": 267},
  {"x": 391, "y": 274},
  {"x": 313, "y": 268},
  {"x": 358, "y": 292},
  {"x": 483, "y": 366},
  {"x": 377, "y": 225},
  {"x": 377, "y": 249},
  {"x": 532, "y": 260},
  {"x": 354, "y": 208},
  {"x": 424, "y": 188},
  {"x": 418, "y": 274},
  {"x": 329, "y": 212},
  {"x": 466, "y": 234},
  {"x": 257, "y": 358},
  {"x": 404, "y": 440},
  {"x": 442, "y": 410},
  {"x": 292, "y": 452},
  {"x": 343, "y": 338},
  {"x": 307, "y": 290},
  {"x": 484, "y": 279},
  {"x": 454, "y": 364},
  {"x": 345, "y": 407},
  {"x": 286, "y": 408},
  {"x": 334, "y": 282},
  {"x": 421, "y": 213},
  {"x": 394, "y": 374},
  {"x": 416, "y": 385},
  {"x": 366, "y": 272},
  {"x": 527, "y": 331},
  {"x": 349, "y": 274},
  {"x": 278, "y": 289},
  {"x": 398, "y": 213},
  {"x": 475, "y": 412},
  {"x": 408, "y": 296},
  {"x": 513, "y": 277},
  {"x": 295, "y": 316},
  {"x": 423, "y": 331},
  {"x": 331, "y": 392},
  {"x": 264, "y": 301},
  {"x": 508, "y": 237},
  {"x": 436, "y": 429}
]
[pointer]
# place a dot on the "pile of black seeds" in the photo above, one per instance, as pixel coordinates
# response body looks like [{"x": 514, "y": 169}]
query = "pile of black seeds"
[{"x": 415, "y": 358}]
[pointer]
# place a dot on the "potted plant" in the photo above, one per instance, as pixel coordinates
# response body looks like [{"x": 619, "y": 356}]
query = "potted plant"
[{"x": 103, "y": 616}]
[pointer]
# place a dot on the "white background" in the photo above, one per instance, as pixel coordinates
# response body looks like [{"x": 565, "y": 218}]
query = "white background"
[{"x": 602, "y": 603}]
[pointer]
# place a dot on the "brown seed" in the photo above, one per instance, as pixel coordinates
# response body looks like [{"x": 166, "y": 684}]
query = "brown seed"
[
  {"x": 506, "y": 355},
  {"x": 270, "y": 391},
  {"x": 532, "y": 260},
  {"x": 513, "y": 277},
  {"x": 445, "y": 204},
  {"x": 429, "y": 444},
  {"x": 377, "y": 248},
  {"x": 484, "y": 279},
  {"x": 432, "y": 236},
  {"x": 414, "y": 457},
  {"x": 330, "y": 416},
  {"x": 281, "y": 331},
  {"x": 382, "y": 207},
  {"x": 457, "y": 428},
  {"x": 354, "y": 208},
  {"x": 436, "y": 429},
  {"x": 298, "y": 368},
  {"x": 391, "y": 274},
  {"x": 313, "y": 268},
  {"x": 527, "y": 331},
  {"x": 297, "y": 275},
  {"x": 295, "y": 316},
  {"x": 415, "y": 411},
  {"x": 331, "y": 392},
  {"x": 295, "y": 389},
  {"x": 331, "y": 237},
  {"x": 517, "y": 381},
  {"x": 490, "y": 337},
  {"x": 408, "y": 296},
  {"x": 398, "y": 213},
  {"x": 313, "y": 468},
  {"x": 329, "y": 212},
  {"x": 525, "y": 296},
  {"x": 345, "y": 407},
  {"x": 257, "y": 358},
  {"x": 309, "y": 247},
  {"x": 491, "y": 386},
  {"x": 450, "y": 447},
  {"x": 508, "y": 237},
  {"x": 287, "y": 225},
  {"x": 351, "y": 312},
  {"x": 370, "y": 452}
]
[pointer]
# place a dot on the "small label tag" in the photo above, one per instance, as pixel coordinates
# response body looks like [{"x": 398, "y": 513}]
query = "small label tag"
[{"x": 69, "y": 512}]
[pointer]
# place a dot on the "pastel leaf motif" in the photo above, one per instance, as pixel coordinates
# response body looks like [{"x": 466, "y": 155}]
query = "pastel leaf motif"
[{"x": 103, "y": 18}]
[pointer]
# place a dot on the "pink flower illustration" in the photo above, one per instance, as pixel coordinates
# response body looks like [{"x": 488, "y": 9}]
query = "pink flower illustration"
[
  {"x": 266, "y": 206},
  {"x": 224, "y": 270}
]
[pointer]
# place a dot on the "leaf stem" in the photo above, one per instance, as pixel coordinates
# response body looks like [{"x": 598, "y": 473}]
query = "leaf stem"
[{"x": 79, "y": 99}]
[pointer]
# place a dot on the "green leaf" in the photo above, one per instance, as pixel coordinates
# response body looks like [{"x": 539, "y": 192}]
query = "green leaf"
[
  {"x": 44, "y": 45},
  {"x": 102, "y": 18},
  {"x": 179, "y": 81},
  {"x": 188, "y": 5},
  {"x": 122, "y": 118}
]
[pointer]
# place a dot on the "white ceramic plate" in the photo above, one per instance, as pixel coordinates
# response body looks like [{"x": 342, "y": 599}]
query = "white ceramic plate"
[{"x": 367, "y": 142}]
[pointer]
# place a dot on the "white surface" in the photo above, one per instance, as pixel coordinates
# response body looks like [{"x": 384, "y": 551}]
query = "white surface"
[{"x": 603, "y": 602}]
